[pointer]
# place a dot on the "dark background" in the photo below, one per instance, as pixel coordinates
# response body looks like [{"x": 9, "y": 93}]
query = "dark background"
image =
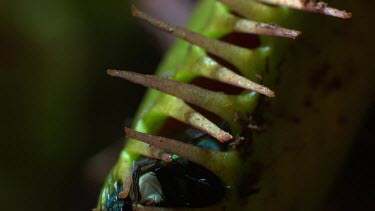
[{"x": 62, "y": 117}]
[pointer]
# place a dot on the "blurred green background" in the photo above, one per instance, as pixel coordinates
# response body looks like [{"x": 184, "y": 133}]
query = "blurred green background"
[
  {"x": 62, "y": 117},
  {"x": 58, "y": 106}
]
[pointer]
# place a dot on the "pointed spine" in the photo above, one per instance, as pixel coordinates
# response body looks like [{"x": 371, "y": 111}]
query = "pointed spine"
[
  {"x": 124, "y": 172},
  {"x": 249, "y": 8},
  {"x": 253, "y": 27},
  {"x": 310, "y": 6},
  {"x": 153, "y": 152},
  {"x": 233, "y": 54},
  {"x": 186, "y": 114},
  {"x": 138, "y": 207},
  {"x": 209, "y": 68},
  {"x": 216, "y": 102},
  {"x": 187, "y": 151}
]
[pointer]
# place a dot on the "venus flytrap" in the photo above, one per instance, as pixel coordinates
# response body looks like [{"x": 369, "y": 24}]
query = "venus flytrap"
[{"x": 255, "y": 172}]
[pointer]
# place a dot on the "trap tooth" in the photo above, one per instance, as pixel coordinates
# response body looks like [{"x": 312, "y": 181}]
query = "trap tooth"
[
  {"x": 235, "y": 55},
  {"x": 209, "y": 68},
  {"x": 184, "y": 150},
  {"x": 154, "y": 152},
  {"x": 138, "y": 207},
  {"x": 126, "y": 181},
  {"x": 310, "y": 6},
  {"x": 149, "y": 151},
  {"x": 181, "y": 111},
  {"x": 253, "y": 27},
  {"x": 124, "y": 172},
  {"x": 226, "y": 106},
  {"x": 249, "y": 8}
]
